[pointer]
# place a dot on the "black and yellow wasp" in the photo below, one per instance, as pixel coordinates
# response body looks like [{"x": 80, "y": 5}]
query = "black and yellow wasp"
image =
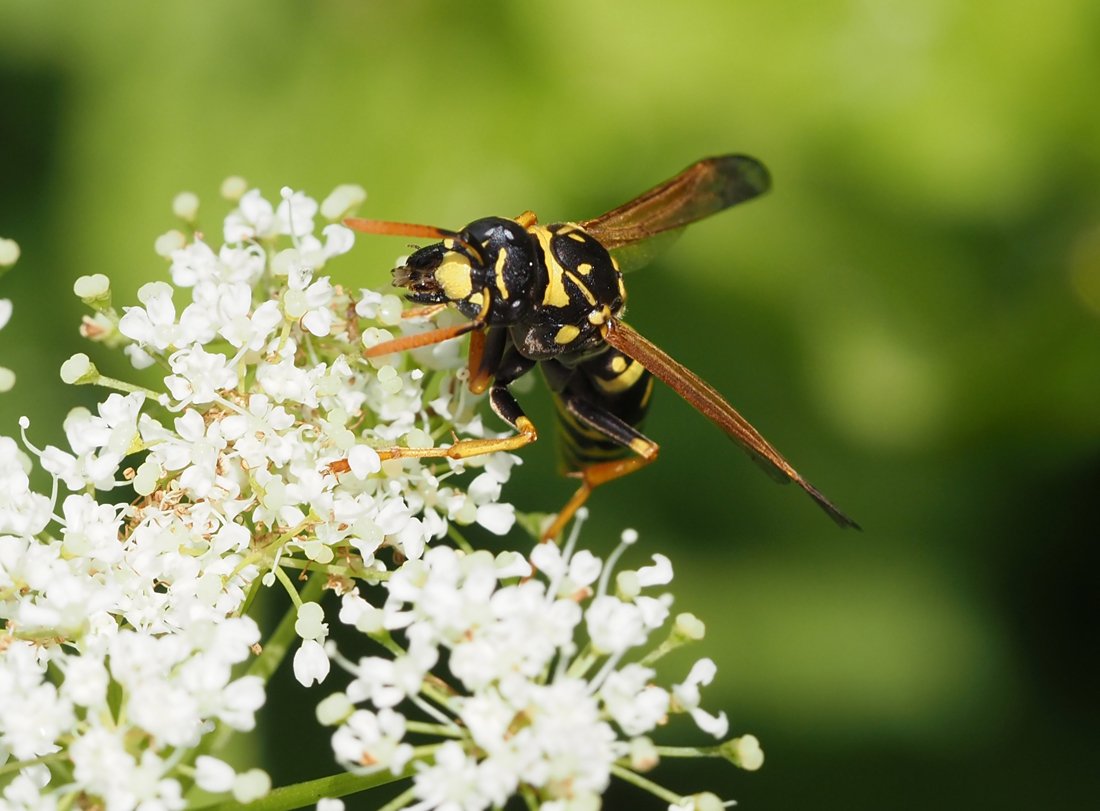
[{"x": 553, "y": 295}]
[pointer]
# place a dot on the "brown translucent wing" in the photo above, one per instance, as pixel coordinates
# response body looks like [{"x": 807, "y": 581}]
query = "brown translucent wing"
[
  {"x": 703, "y": 189},
  {"x": 703, "y": 397}
]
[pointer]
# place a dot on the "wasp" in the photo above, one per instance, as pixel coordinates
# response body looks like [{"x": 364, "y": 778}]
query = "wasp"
[{"x": 553, "y": 296}]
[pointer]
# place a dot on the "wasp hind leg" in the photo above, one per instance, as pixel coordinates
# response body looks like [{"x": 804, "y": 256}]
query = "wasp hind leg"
[{"x": 603, "y": 422}]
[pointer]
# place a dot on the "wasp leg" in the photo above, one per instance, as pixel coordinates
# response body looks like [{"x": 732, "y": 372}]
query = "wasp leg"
[
  {"x": 433, "y": 336},
  {"x": 486, "y": 351},
  {"x": 427, "y": 311},
  {"x": 593, "y": 475},
  {"x": 527, "y": 219},
  {"x": 506, "y": 407}
]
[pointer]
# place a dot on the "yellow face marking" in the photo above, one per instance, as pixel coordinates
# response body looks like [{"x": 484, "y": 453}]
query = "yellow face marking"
[
  {"x": 566, "y": 334},
  {"x": 498, "y": 271},
  {"x": 623, "y": 381},
  {"x": 584, "y": 268},
  {"x": 618, "y": 364},
  {"x": 453, "y": 276}
]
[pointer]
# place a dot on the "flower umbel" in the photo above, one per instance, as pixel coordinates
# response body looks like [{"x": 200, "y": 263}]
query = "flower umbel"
[
  {"x": 537, "y": 700},
  {"x": 129, "y": 655}
]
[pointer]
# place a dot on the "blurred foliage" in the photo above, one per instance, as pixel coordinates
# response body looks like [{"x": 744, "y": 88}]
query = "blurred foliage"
[{"x": 911, "y": 315}]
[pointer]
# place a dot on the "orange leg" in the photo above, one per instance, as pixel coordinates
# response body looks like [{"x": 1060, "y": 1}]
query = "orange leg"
[
  {"x": 427, "y": 311},
  {"x": 465, "y": 448},
  {"x": 600, "y": 473},
  {"x": 527, "y": 219},
  {"x": 433, "y": 336}
]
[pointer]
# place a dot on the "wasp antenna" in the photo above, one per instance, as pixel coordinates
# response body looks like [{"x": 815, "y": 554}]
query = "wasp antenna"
[{"x": 398, "y": 229}]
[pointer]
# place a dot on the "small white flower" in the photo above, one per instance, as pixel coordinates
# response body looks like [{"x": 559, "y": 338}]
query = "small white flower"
[
  {"x": 251, "y": 785},
  {"x": 636, "y": 705},
  {"x": 198, "y": 376},
  {"x": 153, "y": 325},
  {"x": 213, "y": 775},
  {"x": 451, "y": 782},
  {"x": 254, "y": 218},
  {"x": 311, "y": 664},
  {"x": 373, "y": 741},
  {"x": 687, "y": 697}
]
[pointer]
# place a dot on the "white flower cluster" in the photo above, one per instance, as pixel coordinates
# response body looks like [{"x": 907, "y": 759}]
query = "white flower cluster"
[
  {"x": 266, "y": 449},
  {"x": 538, "y": 700},
  {"x": 124, "y": 636}
]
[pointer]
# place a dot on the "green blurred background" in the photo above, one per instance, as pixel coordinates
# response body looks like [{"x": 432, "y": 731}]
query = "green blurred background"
[{"x": 911, "y": 316}]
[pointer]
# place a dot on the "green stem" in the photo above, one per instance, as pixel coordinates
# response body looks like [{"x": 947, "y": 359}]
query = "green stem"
[
  {"x": 689, "y": 751},
  {"x": 438, "y": 730},
  {"x": 662, "y": 793},
  {"x": 122, "y": 385},
  {"x": 671, "y": 643},
  {"x": 300, "y": 795},
  {"x": 284, "y": 579},
  {"x": 459, "y": 539},
  {"x": 275, "y": 649},
  {"x": 582, "y": 663},
  {"x": 400, "y": 801},
  {"x": 19, "y": 765}
]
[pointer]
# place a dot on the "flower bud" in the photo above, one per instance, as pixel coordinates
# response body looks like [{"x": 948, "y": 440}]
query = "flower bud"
[
  {"x": 94, "y": 290},
  {"x": 688, "y": 628},
  {"x": 233, "y": 188},
  {"x": 334, "y": 710},
  {"x": 9, "y": 252},
  {"x": 744, "y": 752},
  {"x": 251, "y": 785},
  {"x": 342, "y": 201},
  {"x": 79, "y": 370},
  {"x": 185, "y": 205}
]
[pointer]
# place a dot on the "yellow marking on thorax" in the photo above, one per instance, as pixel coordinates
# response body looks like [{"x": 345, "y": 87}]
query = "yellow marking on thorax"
[
  {"x": 618, "y": 364},
  {"x": 623, "y": 380},
  {"x": 566, "y": 334},
  {"x": 598, "y": 317},
  {"x": 454, "y": 276},
  {"x": 591, "y": 299},
  {"x": 555, "y": 295},
  {"x": 584, "y": 268},
  {"x": 498, "y": 271}
]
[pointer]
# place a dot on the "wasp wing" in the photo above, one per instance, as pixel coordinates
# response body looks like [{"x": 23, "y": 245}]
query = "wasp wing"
[
  {"x": 704, "y": 188},
  {"x": 707, "y": 401}
]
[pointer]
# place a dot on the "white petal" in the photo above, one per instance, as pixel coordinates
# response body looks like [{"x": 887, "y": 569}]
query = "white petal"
[
  {"x": 497, "y": 518},
  {"x": 311, "y": 664}
]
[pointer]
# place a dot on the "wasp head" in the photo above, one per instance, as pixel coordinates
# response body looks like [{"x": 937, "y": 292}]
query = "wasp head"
[
  {"x": 490, "y": 255},
  {"x": 425, "y": 277}
]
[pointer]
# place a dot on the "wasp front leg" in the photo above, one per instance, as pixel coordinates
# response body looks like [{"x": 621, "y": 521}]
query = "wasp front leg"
[
  {"x": 511, "y": 367},
  {"x": 589, "y": 426}
]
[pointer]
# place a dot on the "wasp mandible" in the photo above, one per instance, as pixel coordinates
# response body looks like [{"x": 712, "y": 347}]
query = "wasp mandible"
[{"x": 552, "y": 296}]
